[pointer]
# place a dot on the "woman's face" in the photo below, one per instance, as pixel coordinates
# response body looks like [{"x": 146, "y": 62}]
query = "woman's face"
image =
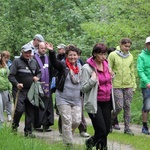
[
  {"x": 100, "y": 57},
  {"x": 72, "y": 57},
  {"x": 125, "y": 47}
]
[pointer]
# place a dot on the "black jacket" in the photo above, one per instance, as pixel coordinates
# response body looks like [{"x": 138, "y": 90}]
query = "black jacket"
[{"x": 62, "y": 69}]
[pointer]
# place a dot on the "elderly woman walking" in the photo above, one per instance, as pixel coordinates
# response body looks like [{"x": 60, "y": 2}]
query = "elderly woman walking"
[{"x": 68, "y": 87}]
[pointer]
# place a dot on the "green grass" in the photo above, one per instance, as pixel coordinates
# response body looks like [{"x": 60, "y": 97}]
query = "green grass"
[
  {"x": 138, "y": 142},
  {"x": 10, "y": 141}
]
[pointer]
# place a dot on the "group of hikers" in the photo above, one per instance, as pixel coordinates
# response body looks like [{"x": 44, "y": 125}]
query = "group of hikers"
[{"x": 103, "y": 86}]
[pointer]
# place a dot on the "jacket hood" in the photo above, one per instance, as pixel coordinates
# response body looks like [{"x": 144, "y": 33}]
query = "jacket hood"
[
  {"x": 146, "y": 51},
  {"x": 92, "y": 63}
]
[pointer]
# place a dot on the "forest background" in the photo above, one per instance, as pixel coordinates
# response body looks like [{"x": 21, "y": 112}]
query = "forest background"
[{"x": 80, "y": 22}]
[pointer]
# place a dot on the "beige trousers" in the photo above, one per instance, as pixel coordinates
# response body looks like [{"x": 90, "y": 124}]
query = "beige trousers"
[{"x": 71, "y": 119}]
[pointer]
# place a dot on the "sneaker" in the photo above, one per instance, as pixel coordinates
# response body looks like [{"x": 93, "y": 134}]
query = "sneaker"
[
  {"x": 145, "y": 130},
  {"x": 46, "y": 128},
  {"x": 128, "y": 131},
  {"x": 116, "y": 127},
  {"x": 9, "y": 118},
  {"x": 84, "y": 134}
]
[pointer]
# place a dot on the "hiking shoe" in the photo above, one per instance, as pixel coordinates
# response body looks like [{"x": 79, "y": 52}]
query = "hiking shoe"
[
  {"x": 128, "y": 131},
  {"x": 84, "y": 134},
  {"x": 89, "y": 143},
  {"x": 145, "y": 130},
  {"x": 46, "y": 128},
  {"x": 116, "y": 127}
]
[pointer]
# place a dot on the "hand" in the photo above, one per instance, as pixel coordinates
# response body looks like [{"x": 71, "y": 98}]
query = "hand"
[
  {"x": 93, "y": 75},
  {"x": 35, "y": 78},
  {"x": 49, "y": 46},
  {"x": 148, "y": 85},
  {"x": 111, "y": 73},
  {"x": 19, "y": 86}
]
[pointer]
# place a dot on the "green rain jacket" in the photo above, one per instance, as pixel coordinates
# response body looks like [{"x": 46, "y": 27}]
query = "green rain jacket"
[
  {"x": 143, "y": 67},
  {"x": 4, "y": 82},
  {"x": 34, "y": 95}
]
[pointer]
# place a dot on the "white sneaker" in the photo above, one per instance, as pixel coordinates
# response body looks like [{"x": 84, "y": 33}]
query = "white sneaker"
[
  {"x": 84, "y": 134},
  {"x": 9, "y": 118}
]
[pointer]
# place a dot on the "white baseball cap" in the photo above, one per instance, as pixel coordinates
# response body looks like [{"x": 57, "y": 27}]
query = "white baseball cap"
[
  {"x": 147, "y": 40},
  {"x": 61, "y": 46}
]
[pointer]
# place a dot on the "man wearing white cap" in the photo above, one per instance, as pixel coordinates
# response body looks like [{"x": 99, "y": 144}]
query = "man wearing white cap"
[
  {"x": 23, "y": 72},
  {"x": 143, "y": 67},
  {"x": 35, "y": 42},
  {"x": 61, "y": 52}
]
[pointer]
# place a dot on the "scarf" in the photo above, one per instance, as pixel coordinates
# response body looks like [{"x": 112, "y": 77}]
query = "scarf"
[
  {"x": 74, "y": 72},
  {"x": 75, "y": 69},
  {"x": 122, "y": 54},
  {"x": 45, "y": 74}
]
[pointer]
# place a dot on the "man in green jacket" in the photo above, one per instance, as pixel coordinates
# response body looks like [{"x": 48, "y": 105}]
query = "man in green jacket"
[{"x": 143, "y": 67}]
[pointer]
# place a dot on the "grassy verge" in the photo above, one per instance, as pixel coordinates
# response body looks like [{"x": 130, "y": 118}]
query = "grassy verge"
[{"x": 9, "y": 141}]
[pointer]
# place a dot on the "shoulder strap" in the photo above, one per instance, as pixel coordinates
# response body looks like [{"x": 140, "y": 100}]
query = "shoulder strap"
[{"x": 29, "y": 67}]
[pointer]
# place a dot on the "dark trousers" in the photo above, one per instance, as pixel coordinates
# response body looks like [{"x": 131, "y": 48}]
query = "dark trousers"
[
  {"x": 101, "y": 123},
  {"x": 44, "y": 117},
  {"x": 23, "y": 106}
]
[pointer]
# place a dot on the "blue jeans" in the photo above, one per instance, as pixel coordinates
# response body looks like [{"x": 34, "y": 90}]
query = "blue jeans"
[{"x": 146, "y": 99}]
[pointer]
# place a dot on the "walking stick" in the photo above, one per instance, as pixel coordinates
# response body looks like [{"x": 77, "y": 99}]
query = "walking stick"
[
  {"x": 16, "y": 101},
  {"x": 113, "y": 100}
]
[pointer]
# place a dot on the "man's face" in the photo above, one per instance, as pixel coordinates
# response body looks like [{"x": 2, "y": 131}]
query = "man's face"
[
  {"x": 148, "y": 45},
  {"x": 42, "y": 48},
  {"x": 61, "y": 51},
  {"x": 36, "y": 42},
  {"x": 27, "y": 55}
]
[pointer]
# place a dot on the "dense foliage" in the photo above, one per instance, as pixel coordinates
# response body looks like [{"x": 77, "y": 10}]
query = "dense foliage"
[{"x": 80, "y": 22}]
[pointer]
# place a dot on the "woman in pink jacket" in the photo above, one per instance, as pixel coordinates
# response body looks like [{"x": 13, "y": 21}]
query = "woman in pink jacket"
[{"x": 96, "y": 85}]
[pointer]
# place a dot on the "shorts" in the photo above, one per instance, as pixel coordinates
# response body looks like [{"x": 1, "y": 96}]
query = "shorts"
[{"x": 146, "y": 99}]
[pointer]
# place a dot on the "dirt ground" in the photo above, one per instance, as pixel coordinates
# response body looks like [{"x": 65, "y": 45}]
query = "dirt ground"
[{"x": 54, "y": 136}]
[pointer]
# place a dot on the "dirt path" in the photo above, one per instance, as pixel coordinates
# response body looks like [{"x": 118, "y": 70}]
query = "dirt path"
[{"x": 54, "y": 136}]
